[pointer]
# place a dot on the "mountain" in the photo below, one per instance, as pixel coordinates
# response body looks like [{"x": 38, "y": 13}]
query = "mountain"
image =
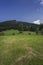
[{"x": 13, "y": 24}]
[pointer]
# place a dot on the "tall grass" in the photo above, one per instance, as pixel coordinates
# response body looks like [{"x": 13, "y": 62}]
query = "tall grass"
[{"x": 21, "y": 49}]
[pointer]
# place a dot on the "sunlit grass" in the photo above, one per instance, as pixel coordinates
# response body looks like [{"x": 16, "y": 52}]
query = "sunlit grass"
[{"x": 21, "y": 49}]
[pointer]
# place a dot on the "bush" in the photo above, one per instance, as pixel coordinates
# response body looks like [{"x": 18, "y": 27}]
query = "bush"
[
  {"x": 20, "y": 32},
  {"x": 29, "y": 33},
  {"x": 42, "y": 32},
  {"x": 37, "y": 32},
  {"x": 13, "y": 34},
  {"x": 1, "y": 33}
]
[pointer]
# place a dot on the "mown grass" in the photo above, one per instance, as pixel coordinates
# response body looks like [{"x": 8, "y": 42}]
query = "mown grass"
[{"x": 21, "y": 49}]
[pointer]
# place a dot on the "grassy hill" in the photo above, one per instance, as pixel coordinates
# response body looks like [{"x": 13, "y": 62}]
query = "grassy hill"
[{"x": 21, "y": 49}]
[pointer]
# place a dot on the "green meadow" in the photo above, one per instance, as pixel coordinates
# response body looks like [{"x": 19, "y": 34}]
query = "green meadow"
[{"x": 21, "y": 49}]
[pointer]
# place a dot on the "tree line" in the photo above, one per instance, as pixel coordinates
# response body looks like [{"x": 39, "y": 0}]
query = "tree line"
[{"x": 19, "y": 25}]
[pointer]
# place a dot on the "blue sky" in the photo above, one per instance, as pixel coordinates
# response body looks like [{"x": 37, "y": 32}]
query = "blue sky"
[{"x": 21, "y": 10}]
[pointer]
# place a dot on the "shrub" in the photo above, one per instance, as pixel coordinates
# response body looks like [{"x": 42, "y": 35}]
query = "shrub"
[
  {"x": 42, "y": 32},
  {"x": 29, "y": 33},
  {"x": 37, "y": 32},
  {"x": 13, "y": 34},
  {"x": 20, "y": 32}
]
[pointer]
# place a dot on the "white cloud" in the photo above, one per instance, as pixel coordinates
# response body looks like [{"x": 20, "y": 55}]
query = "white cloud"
[
  {"x": 37, "y": 22},
  {"x": 41, "y": 2}
]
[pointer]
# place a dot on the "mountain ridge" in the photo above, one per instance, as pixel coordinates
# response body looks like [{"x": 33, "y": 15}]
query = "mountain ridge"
[{"x": 13, "y": 24}]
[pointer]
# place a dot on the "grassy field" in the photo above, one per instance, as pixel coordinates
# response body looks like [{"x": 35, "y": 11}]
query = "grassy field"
[{"x": 21, "y": 49}]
